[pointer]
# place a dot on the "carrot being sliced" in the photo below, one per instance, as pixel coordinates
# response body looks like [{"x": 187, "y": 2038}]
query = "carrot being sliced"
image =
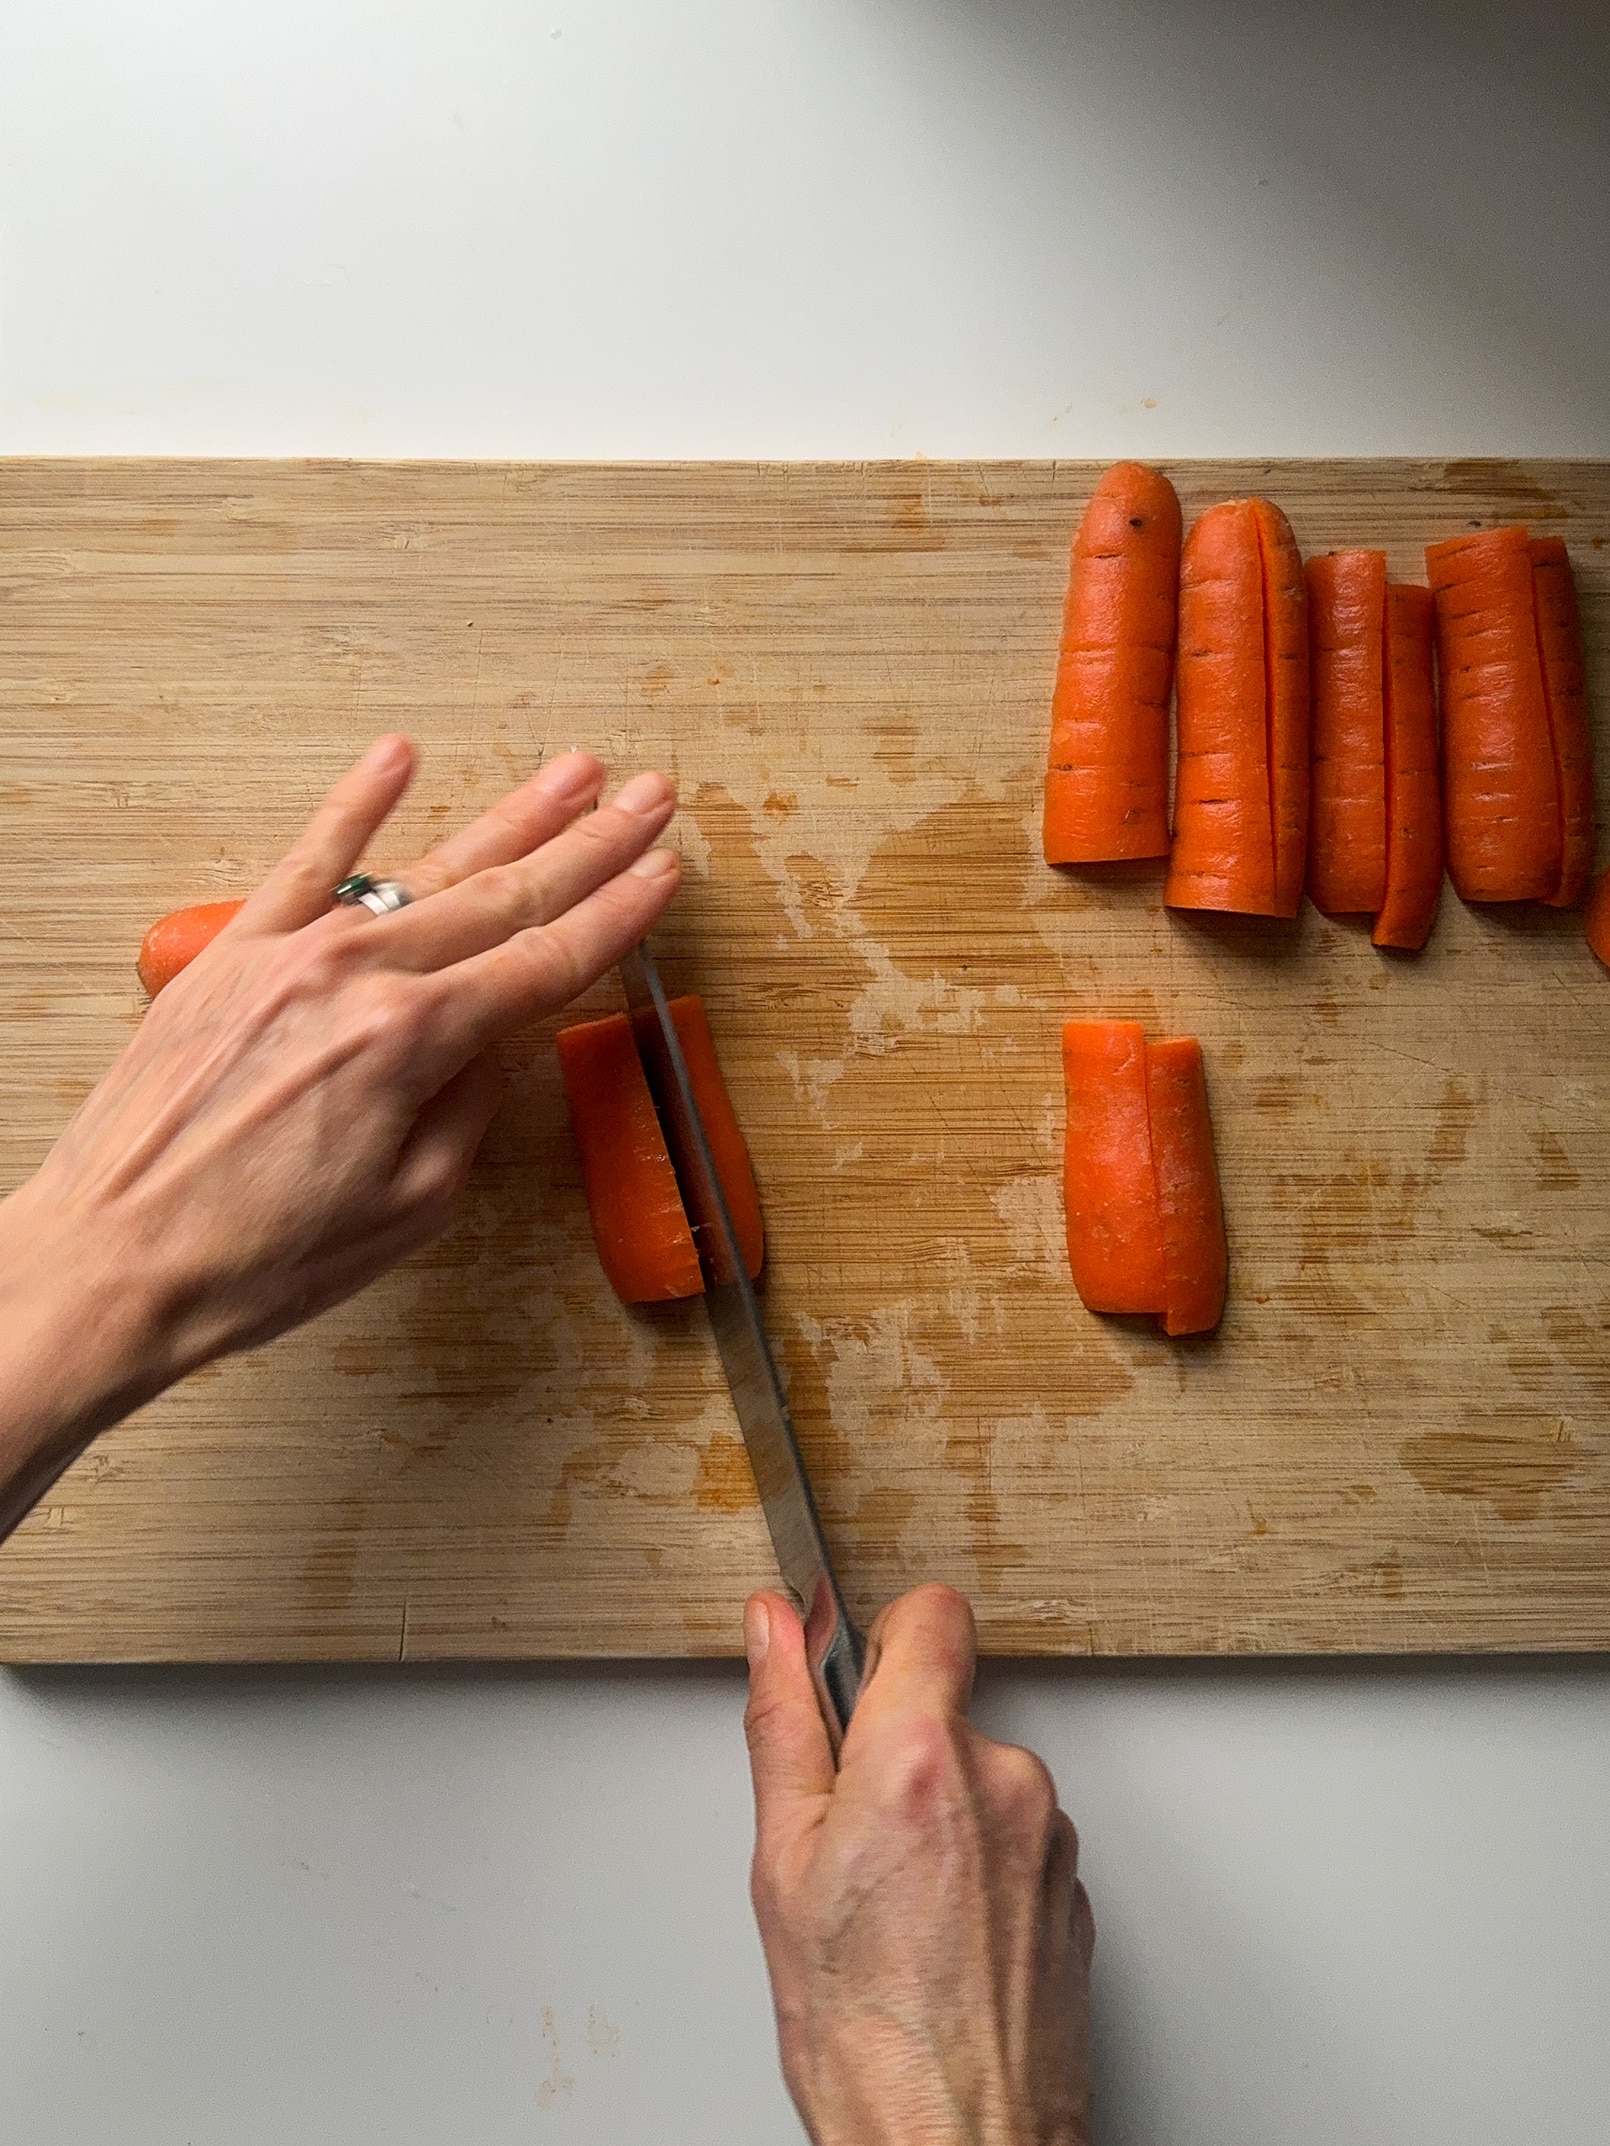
[
  {"x": 1106, "y": 784},
  {"x": 1565, "y": 692},
  {"x": 1109, "y": 1183},
  {"x": 1596, "y": 918},
  {"x": 1413, "y": 791},
  {"x": 175, "y": 940},
  {"x": 1195, "y": 1256},
  {"x": 639, "y": 1224},
  {"x": 1347, "y": 807},
  {"x": 1241, "y": 782},
  {"x": 1501, "y": 790}
]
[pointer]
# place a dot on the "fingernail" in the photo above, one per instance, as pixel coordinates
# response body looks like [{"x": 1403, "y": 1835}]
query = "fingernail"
[
  {"x": 757, "y": 1631},
  {"x": 644, "y": 794},
  {"x": 655, "y": 864},
  {"x": 573, "y": 775},
  {"x": 385, "y": 753}
]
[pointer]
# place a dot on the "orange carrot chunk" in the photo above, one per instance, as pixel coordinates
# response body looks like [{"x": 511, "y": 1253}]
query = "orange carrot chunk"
[
  {"x": 1109, "y": 1183},
  {"x": 1106, "y": 784},
  {"x": 174, "y": 941},
  {"x": 1413, "y": 791},
  {"x": 1195, "y": 1256},
  {"x": 1565, "y": 691},
  {"x": 640, "y": 1226},
  {"x": 1501, "y": 787},
  {"x": 1347, "y": 807},
  {"x": 1596, "y": 918},
  {"x": 1241, "y": 785}
]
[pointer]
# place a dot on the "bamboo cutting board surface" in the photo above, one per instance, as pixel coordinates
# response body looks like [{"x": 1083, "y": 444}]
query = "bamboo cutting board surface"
[{"x": 1400, "y": 1438}]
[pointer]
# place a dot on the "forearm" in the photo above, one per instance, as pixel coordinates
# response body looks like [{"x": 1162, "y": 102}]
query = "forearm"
[{"x": 78, "y": 1348}]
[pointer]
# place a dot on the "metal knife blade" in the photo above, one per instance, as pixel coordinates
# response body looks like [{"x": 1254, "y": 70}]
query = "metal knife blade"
[{"x": 835, "y": 1648}]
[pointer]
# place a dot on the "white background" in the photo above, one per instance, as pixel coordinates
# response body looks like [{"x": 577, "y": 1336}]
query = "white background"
[{"x": 1336, "y": 1902}]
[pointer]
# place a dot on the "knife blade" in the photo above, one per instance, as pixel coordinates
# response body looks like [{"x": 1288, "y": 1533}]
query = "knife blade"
[{"x": 834, "y": 1647}]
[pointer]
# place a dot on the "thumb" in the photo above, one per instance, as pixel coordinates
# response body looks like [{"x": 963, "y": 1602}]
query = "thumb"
[{"x": 790, "y": 1756}]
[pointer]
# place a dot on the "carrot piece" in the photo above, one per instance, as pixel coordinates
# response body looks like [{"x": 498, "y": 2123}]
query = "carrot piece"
[
  {"x": 1413, "y": 791},
  {"x": 1115, "y": 1230},
  {"x": 639, "y": 1224},
  {"x": 1596, "y": 918},
  {"x": 1106, "y": 784},
  {"x": 1500, "y": 786},
  {"x": 1195, "y": 1255},
  {"x": 175, "y": 940},
  {"x": 1241, "y": 785},
  {"x": 1565, "y": 691},
  {"x": 1347, "y": 807}
]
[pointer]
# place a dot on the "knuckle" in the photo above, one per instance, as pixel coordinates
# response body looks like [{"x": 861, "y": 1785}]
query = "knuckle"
[
  {"x": 924, "y": 1771},
  {"x": 1022, "y": 1790}
]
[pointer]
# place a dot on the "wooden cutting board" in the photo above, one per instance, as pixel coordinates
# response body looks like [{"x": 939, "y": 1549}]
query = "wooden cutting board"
[{"x": 1400, "y": 1438}]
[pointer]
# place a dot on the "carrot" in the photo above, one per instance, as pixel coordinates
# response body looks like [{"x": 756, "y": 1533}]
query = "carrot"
[
  {"x": 1501, "y": 786},
  {"x": 1596, "y": 918},
  {"x": 1115, "y": 1229},
  {"x": 1241, "y": 786},
  {"x": 1565, "y": 690},
  {"x": 1195, "y": 1257},
  {"x": 1347, "y": 806},
  {"x": 1106, "y": 784},
  {"x": 639, "y": 1224},
  {"x": 174, "y": 941},
  {"x": 1413, "y": 793}
]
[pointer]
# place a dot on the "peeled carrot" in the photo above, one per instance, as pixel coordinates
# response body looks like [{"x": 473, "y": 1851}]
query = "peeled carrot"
[
  {"x": 1596, "y": 918},
  {"x": 1195, "y": 1256},
  {"x": 174, "y": 941},
  {"x": 1565, "y": 690},
  {"x": 1109, "y": 1183},
  {"x": 1347, "y": 807},
  {"x": 1501, "y": 785},
  {"x": 1106, "y": 784},
  {"x": 1241, "y": 785},
  {"x": 1413, "y": 790},
  {"x": 639, "y": 1224}
]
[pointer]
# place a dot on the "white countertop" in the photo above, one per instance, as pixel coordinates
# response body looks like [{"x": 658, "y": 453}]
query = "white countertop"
[{"x": 1336, "y": 1902}]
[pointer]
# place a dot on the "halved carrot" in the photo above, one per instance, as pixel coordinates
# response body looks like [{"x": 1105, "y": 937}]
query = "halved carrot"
[
  {"x": 1596, "y": 918},
  {"x": 1195, "y": 1255},
  {"x": 1565, "y": 690},
  {"x": 639, "y": 1223},
  {"x": 1347, "y": 807},
  {"x": 1501, "y": 788},
  {"x": 1413, "y": 791},
  {"x": 1106, "y": 784},
  {"x": 1109, "y": 1183},
  {"x": 1241, "y": 784},
  {"x": 175, "y": 940}
]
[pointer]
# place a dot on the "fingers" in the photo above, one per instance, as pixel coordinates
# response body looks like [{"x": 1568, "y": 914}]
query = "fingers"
[
  {"x": 516, "y": 825},
  {"x": 490, "y": 908},
  {"x": 924, "y": 1649},
  {"x": 790, "y": 1757},
  {"x": 479, "y": 1002},
  {"x": 298, "y": 889}
]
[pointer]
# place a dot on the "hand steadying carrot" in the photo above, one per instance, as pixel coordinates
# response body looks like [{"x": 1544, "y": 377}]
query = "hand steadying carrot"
[
  {"x": 1241, "y": 785},
  {"x": 1106, "y": 785}
]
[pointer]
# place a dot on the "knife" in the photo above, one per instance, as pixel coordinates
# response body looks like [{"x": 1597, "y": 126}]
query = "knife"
[{"x": 834, "y": 1647}]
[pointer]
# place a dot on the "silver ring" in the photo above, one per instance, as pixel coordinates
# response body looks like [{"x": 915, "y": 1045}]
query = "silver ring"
[{"x": 379, "y": 896}]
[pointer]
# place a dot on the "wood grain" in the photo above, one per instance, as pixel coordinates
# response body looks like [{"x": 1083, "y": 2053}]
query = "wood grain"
[{"x": 1399, "y": 1440}]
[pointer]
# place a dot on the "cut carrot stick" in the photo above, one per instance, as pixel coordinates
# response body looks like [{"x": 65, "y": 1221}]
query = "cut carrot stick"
[
  {"x": 1565, "y": 690},
  {"x": 1347, "y": 807},
  {"x": 174, "y": 941},
  {"x": 1241, "y": 785},
  {"x": 1596, "y": 918},
  {"x": 1195, "y": 1257},
  {"x": 639, "y": 1224},
  {"x": 1106, "y": 784},
  {"x": 1109, "y": 1183},
  {"x": 1413, "y": 791},
  {"x": 1501, "y": 788}
]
